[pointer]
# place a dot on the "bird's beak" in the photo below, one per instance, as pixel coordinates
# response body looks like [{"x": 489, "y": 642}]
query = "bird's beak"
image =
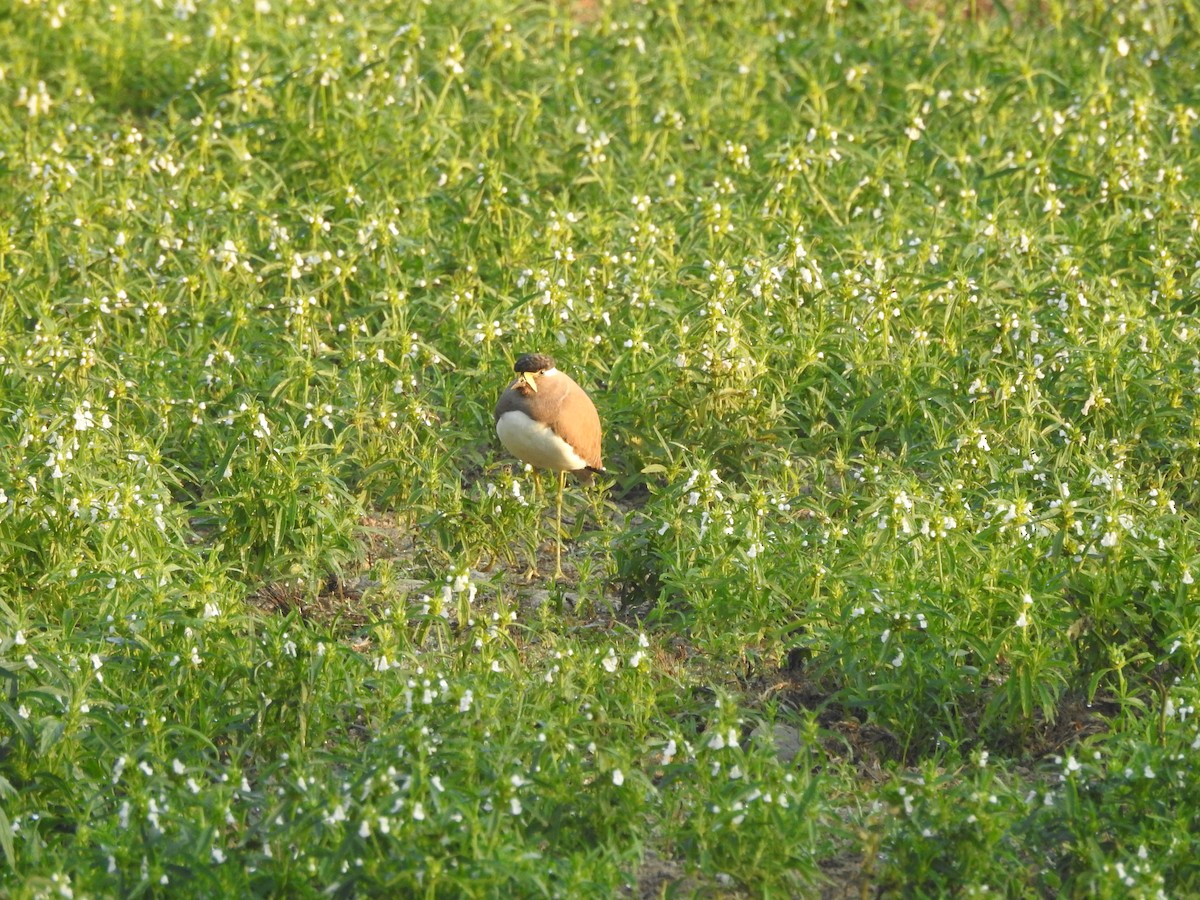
[{"x": 529, "y": 379}]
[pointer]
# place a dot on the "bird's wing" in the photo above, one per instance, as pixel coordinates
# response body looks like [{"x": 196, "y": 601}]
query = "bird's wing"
[{"x": 578, "y": 423}]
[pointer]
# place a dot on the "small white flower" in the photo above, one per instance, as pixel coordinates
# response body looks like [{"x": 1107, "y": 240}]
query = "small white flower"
[
  {"x": 669, "y": 752},
  {"x": 618, "y": 777},
  {"x": 83, "y": 417}
]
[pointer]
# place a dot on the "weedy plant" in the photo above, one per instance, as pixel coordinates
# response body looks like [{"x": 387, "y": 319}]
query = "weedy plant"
[{"x": 888, "y": 310}]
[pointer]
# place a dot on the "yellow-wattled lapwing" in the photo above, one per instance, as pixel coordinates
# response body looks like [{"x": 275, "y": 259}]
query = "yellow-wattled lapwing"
[{"x": 547, "y": 420}]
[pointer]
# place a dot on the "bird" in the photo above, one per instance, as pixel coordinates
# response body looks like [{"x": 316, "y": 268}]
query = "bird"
[{"x": 547, "y": 420}]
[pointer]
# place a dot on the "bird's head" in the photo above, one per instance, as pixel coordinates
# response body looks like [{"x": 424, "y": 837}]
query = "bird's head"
[{"x": 531, "y": 365}]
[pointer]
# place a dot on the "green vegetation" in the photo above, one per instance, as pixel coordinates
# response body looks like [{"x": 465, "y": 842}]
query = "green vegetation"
[{"x": 889, "y": 311}]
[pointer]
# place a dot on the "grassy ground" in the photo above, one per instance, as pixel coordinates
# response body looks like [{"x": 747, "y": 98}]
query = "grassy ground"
[{"x": 889, "y": 312}]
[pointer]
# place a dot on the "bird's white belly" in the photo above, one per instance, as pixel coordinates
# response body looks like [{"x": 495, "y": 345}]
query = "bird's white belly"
[{"x": 536, "y": 444}]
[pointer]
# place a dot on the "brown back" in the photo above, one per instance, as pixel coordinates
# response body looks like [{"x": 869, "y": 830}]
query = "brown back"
[{"x": 564, "y": 406}]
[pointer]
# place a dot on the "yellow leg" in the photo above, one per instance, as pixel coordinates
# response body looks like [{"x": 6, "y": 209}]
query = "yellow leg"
[
  {"x": 532, "y": 571},
  {"x": 558, "y": 573}
]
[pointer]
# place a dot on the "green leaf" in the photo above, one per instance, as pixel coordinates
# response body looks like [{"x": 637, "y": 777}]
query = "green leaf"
[
  {"x": 6, "y": 841},
  {"x": 50, "y": 732},
  {"x": 20, "y": 725}
]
